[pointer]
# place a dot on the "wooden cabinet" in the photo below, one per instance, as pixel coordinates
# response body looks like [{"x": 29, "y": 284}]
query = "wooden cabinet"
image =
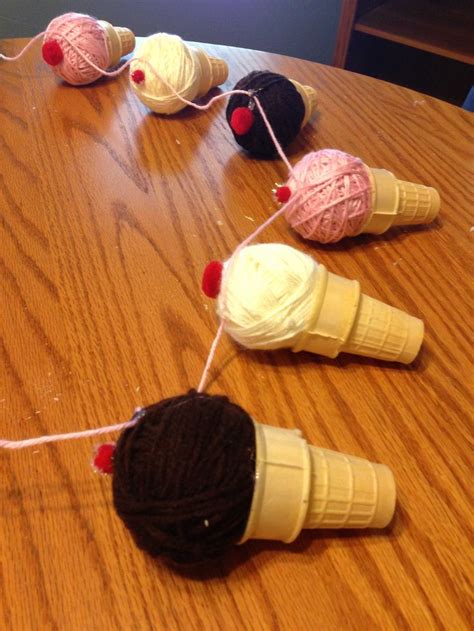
[{"x": 441, "y": 28}]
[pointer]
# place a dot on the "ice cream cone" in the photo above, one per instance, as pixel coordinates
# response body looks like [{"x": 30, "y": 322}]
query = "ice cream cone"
[
  {"x": 309, "y": 95},
  {"x": 299, "y": 486},
  {"x": 120, "y": 41},
  {"x": 214, "y": 71},
  {"x": 396, "y": 203},
  {"x": 383, "y": 332},
  {"x": 345, "y": 320}
]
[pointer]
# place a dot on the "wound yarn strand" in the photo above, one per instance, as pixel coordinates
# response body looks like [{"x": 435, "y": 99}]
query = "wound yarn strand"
[
  {"x": 54, "y": 438},
  {"x": 23, "y": 50},
  {"x": 278, "y": 146},
  {"x": 210, "y": 357}
]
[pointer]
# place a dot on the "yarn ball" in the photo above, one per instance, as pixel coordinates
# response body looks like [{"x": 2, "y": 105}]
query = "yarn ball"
[
  {"x": 184, "y": 476},
  {"x": 266, "y": 296},
  {"x": 331, "y": 196},
  {"x": 282, "y": 105},
  {"x": 83, "y": 32},
  {"x": 189, "y": 71}
]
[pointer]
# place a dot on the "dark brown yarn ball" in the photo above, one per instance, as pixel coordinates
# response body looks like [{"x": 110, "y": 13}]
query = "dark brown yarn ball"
[
  {"x": 282, "y": 105},
  {"x": 184, "y": 476}
]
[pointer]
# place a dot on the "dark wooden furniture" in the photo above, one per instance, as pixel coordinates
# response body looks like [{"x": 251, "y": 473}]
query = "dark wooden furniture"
[{"x": 441, "y": 27}]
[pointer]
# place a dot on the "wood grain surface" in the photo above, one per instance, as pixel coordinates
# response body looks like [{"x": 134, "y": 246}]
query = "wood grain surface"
[{"x": 108, "y": 216}]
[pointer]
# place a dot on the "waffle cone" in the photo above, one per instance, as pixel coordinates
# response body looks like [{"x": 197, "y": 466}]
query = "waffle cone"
[
  {"x": 345, "y": 320},
  {"x": 417, "y": 204},
  {"x": 384, "y": 332},
  {"x": 214, "y": 71},
  {"x": 120, "y": 41},
  {"x": 396, "y": 202},
  {"x": 348, "y": 492},
  {"x": 300, "y": 486},
  {"x": 309, "y": 96}
]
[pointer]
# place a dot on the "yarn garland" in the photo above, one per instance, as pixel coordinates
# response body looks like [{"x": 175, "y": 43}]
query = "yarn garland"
[{"x": 184, "y": 469}]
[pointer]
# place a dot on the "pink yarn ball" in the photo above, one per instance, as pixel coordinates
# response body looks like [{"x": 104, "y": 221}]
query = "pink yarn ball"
[
  {"x": 331, "y": 196},
  {"x": 85, "y": 34}
]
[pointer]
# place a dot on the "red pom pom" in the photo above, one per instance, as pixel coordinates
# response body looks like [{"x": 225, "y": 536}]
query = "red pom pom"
[
  {"x": 283, "y": 194},
  {"x": 138, "y": 76},
  {"x": 211, "y": 279},
  {"x": 52, "y": 53},
  {"x": 241, "y": 120},
  {"x": 103, "y": 461}
]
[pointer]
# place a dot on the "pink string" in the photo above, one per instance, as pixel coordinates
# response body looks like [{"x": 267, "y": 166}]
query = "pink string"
[
  {"x": 278, "y": 147},
  {"x": 23, "y": 51},
  {"x": 53, "y": 438},
  {"x": 210, "y": 357}
]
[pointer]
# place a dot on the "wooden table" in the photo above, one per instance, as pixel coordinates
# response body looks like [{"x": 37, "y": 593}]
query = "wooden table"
[{"x": 108, "y": 216}]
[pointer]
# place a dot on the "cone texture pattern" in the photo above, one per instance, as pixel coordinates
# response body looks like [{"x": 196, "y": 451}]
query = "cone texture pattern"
[
  {"x": 346, "y": 492},
  {"x": 384, "y": 332}
]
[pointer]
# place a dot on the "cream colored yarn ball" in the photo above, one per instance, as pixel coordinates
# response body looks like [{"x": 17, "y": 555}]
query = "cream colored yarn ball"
[
  {"x": 266, "y": 295},
  {"x": 176, "y": 63}
]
